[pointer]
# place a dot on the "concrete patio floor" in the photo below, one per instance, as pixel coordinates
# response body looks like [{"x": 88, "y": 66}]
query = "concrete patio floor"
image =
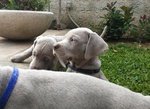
[{"x": 9, "y": 48}]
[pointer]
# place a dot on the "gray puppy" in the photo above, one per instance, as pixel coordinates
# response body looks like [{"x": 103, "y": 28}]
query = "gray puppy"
[
  {"x": 80, "y": 49},
  {"x": 40, "y": 89},
  {"x": 42, "y": 53}
]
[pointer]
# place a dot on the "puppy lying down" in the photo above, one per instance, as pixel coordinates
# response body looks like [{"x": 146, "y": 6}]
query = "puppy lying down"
[
  {"x": 40, "y": 89},
  {"x": 42, "y": 54}
]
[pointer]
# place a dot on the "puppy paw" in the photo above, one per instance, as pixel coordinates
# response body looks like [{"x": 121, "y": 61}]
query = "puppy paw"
[{"x": 16, "y": 59}]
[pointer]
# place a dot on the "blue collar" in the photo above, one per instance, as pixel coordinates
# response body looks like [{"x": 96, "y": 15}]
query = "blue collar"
[{"x": 9, "y": 88}]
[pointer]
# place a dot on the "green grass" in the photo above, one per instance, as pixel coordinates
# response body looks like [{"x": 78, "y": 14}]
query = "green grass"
[{"x": 128, "y": 65}]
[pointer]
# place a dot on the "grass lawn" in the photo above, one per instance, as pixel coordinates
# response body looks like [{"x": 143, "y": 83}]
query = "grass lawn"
[{"x": 128, "y": 64}]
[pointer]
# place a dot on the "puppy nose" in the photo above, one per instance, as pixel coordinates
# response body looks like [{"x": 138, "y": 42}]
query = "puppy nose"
[{"x": 56, "y": 46}]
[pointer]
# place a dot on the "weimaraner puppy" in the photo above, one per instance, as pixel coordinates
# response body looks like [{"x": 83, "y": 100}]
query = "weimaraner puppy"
[
  {"x": 42, "y": 53},
  {"x": 41, "y": 89},
  {"x": 81, "y": 48}
]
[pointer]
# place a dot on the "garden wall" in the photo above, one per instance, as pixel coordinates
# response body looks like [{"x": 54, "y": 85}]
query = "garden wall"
[{"x": 89, "y": 11}]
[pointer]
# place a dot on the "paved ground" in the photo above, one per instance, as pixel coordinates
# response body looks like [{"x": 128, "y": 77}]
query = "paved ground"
[{"x": 10, "y": 48}]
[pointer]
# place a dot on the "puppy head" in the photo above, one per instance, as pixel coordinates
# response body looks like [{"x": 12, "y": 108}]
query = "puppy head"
[
  {"x": 42, "y": 54},
  {"x": 72, "y": 46},
  {"x": 80, "y": 44}
]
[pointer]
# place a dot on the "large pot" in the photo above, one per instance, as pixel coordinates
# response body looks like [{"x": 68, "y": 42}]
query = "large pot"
[{"x": 23, "y": 25}]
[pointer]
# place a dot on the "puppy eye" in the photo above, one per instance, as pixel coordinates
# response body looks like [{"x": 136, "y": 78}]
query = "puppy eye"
[{"x": 71, "y": 39}]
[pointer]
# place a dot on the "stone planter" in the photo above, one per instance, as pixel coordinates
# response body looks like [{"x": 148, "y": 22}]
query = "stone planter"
[{"x": 23, "y": 25}]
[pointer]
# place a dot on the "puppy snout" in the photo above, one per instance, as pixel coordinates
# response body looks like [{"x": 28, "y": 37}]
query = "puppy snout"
[{"x": 56, "y": 46}]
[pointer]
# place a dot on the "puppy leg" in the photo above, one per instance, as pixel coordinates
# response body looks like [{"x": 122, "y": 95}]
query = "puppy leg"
[
  {"x": 69, "y": 70},
  {"x": 20, "y": 57},
  {"x": 100, "y": 75}
]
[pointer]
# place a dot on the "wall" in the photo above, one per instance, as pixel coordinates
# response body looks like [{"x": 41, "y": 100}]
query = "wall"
[{"x": 86, "y": 12}]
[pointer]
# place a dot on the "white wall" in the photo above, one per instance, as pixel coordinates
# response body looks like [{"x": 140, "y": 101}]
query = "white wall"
[{"x": 85, "y": 11}]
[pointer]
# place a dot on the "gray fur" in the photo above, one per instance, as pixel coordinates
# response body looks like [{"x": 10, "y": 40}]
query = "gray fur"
[
  {"x": 81, "y": 47},
  {"x": 40, "y": 89},
  {"x": 41, "y": 52}
]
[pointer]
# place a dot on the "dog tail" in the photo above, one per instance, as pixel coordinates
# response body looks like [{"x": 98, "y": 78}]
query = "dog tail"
[{"x": 104, "y": 31}]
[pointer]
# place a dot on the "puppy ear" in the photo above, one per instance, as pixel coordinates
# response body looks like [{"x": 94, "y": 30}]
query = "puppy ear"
[{"x": 95, "y": 46}]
